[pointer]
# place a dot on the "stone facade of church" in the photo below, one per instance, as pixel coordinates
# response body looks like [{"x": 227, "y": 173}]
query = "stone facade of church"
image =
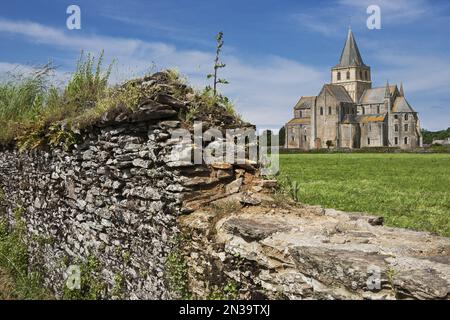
[{"x": 349, "y": 113}]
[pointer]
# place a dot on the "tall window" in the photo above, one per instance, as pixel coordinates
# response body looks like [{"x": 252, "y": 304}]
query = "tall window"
[
  {"x": 406, "y": 117},
  {"x": 321, "y": 111},
  {"x": 396, "y": 128},
  {"x": 406, "y": 140},
  {"x": 363, "y": 110},
  {"x": 301, "y": 114},
  {"x": 368, "y": 141},
  {"x": 348, "y": 75},
  {"x": 339, "y": 75},
  {"x": 396, "y": 141},
  {"x": 367, "y": 77},
  {"x": 360, "y": 74},
  {"x": 406, "y": 128},
  {"x": 329, "y": 110},
  {"x": 378, "y": 109}
]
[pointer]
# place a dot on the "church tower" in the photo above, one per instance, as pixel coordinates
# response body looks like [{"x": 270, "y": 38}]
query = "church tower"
[{"x": 351, "y": 72}]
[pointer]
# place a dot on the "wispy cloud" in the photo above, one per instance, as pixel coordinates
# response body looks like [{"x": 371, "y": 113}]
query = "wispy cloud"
[
  {"x": 320, "y": 21},
  {"x": 398, "y": 11},
  {"x": 264, "y": 91},
  {"x": 344, "y": 12}
]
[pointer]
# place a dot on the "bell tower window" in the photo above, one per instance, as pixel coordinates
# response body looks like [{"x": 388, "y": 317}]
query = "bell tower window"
[
  {"x": 339, "y": 76},
  {"x": 348, "y": 75}
]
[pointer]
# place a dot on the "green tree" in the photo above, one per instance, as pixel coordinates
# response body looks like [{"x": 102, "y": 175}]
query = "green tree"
[
  {"x": 217, "y": 64},
  {"x": 282, "y": 135},
  {"x": 329, "y": 144}
]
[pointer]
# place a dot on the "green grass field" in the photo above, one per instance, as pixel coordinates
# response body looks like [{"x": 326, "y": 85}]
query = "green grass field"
[{"x": 408, "y": 190}]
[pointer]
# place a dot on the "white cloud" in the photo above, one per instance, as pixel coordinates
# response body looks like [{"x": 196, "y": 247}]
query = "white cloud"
[
  {"x": 322, "y": 22},
  {"x": 264, "y": 92}
]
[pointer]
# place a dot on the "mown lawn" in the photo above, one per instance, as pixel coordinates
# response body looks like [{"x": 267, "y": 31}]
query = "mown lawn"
[{"x": 408, "y": 190}]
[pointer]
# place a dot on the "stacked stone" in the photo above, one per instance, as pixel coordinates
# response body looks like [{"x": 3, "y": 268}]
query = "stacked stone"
[{"x": 114, "y": 198}]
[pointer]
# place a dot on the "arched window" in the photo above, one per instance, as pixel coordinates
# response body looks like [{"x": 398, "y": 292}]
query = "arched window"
[
  {"x": 301, "y": 114},
  {"x": 406, "y": 140},
  {"x": 348, "y": 75},
  {"x": 329, "y": 110},
  {"x": 321, "y": 111},
  {"x": 378, "y": 109},
  {"x": 396, "y": 128},
  {"x": 406, "y": 128},
  {"x": 339, "y": 75},
  {"x": 360, "y": 74},
  {"x": 367, "y": 77},
  {"x": 406, "y": 117},
  {"x": 363, "y": 110},
  {"x": 396, "y": 140}
]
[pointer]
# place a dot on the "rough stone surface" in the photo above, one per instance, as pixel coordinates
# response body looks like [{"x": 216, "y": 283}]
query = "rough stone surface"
[{"x": 306, "y": 252}]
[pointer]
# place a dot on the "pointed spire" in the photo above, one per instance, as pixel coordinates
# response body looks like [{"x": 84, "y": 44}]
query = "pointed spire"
[
  {"x": 350, "y": 54},
  {"x": 387, "y": 93},
  {"x": 402, "y": 93}
]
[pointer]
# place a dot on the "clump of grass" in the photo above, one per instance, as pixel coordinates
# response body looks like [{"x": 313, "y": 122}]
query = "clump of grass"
[
  {"x": 34, "y": 113},
  {"x": 91, "y": 287},
  {"x": 229, "y": 291},
  {"x": 288, "y": 187},
  {"x": 205, "y": 104},
  {"x": 176, "y": 269},
  {"x": 30, "y": 107},
  {"x": 14, "y": 265},
  {"x": 88, "y": 84}
]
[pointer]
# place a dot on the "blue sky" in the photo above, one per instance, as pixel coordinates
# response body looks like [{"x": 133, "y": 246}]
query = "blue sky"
[{"x": 276, "y": 51}]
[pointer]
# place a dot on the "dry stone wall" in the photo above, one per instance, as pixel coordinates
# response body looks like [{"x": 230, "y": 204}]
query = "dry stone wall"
[
  {"x": 111, "y": 199},
  {"x": 109, "y": 204}
]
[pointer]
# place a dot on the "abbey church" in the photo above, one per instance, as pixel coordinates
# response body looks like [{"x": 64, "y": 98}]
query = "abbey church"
[{"x": 349, "y": 113}]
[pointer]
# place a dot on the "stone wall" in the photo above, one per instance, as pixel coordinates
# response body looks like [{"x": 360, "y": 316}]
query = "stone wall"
[
  {"x": 111, "y": 199},
  {"x": 109, "y": 204}
]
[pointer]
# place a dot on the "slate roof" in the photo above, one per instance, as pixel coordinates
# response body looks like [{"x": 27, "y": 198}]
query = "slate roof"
[
  {"x": 338, "y": 92},
  {"x": 350, "y": 55},
  {"x": 300, "y": 121},
  {"x": 305, "y": 102},
  {"x": 375, "y": 95},
  {"x": 366, "y": 118},
  {"x": 401, "y": 105}
]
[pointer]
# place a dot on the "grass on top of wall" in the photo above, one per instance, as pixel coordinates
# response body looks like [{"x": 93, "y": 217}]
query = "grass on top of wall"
[
  {"x": 34, "y": 112},
  {"x": 408, "y": 190}
]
